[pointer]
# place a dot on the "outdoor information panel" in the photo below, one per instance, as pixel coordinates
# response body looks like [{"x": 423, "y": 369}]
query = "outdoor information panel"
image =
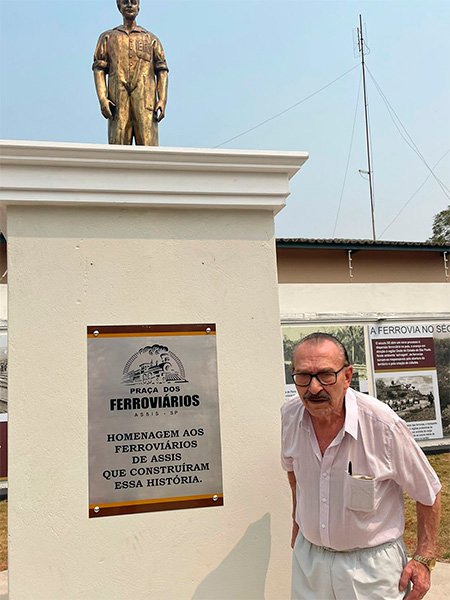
[
  {"x": 154, "y": 427},
  {"x": 406, "y": 358},
  {"x": 3, "y": 405},
  {"x": 405, "y": 364}
]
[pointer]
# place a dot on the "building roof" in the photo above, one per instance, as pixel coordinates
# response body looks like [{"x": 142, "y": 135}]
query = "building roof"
[{"x": 343, "y": 244}]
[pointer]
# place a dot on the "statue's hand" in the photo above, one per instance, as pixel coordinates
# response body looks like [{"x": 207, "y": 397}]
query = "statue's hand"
[
  {"x": 160, "y": 106},
  {"x": 105, "y": 107}
]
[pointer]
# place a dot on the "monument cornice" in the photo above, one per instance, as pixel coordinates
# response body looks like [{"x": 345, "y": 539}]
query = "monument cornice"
[
  {"x": 148, "y": 157},
  {"x": 49, "y": 173}
]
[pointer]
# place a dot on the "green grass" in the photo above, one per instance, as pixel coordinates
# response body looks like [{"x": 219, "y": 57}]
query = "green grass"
[
  {"x": 3, "y": 535},
  {"x": 441, "y": 464}
]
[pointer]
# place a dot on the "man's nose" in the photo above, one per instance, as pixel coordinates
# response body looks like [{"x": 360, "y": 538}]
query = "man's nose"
[{"x": 315, "y": 386}]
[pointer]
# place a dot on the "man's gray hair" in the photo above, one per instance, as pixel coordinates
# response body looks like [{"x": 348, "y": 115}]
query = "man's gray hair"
[{"x": 316, "y": 338}]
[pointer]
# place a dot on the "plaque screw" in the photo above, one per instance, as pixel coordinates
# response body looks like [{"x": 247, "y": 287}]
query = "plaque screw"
[
  {"x": 215, "y": 498},
  {"x": 96, "y": 333},
  {"x": 97, "y": 509},
  {"x": 208, "y": 330}
]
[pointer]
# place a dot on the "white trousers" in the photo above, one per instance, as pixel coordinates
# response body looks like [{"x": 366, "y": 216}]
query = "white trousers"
[{"x": 361, "y": 574}]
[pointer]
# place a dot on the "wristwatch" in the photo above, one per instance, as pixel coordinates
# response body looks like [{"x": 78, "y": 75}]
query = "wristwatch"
[{"x": 430, "y": 563}]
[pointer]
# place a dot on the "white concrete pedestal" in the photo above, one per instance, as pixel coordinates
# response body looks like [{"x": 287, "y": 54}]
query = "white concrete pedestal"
[{"x": 131, "y": 235}]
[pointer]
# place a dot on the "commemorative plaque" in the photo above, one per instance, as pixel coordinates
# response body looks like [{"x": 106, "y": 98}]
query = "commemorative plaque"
[{"x": 153, "y": 409}]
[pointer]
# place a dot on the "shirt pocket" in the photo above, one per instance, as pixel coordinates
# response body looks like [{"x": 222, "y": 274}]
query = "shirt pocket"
[
  {"x": 359, "y": 494},
  {"x": 144, "y": 50}
]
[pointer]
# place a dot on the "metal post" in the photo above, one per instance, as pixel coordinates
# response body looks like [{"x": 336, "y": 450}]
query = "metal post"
[{"x": 369, "y": 169}]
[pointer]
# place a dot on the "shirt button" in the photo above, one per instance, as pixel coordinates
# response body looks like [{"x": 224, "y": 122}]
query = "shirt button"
[
  {"x": 323, "y": 526},
  {"x": 324, "y": 499},
  {"x": 325, "y": 474}
]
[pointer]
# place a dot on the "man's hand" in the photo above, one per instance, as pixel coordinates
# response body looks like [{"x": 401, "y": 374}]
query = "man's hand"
[
  {"x": 105, "y": 107},
  {"x": 295, "y": 529},
  {"x": 419, "y": 575},
  {"x": 161, "y": 107},
  {"x": 427, "y": 528}
]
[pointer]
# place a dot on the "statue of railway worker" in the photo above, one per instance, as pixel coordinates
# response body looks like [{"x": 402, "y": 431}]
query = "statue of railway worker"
[{"x": 134, "y": 100}]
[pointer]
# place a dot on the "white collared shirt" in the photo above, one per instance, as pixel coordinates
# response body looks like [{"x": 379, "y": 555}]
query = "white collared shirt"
[{"x": 343, "y": 512}]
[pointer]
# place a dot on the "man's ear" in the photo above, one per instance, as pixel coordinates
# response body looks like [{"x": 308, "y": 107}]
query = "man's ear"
[{"x": 348, "y": 376}]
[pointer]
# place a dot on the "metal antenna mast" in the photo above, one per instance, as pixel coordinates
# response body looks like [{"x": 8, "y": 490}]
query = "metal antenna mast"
[{"x": 369, "y": 168}]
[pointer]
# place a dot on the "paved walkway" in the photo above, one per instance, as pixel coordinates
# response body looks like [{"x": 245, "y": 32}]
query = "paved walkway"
[{"x": 440, "y": 589}]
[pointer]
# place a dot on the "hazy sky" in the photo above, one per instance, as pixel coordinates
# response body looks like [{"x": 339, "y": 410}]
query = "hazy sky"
[{"x": 234, "y": 64}]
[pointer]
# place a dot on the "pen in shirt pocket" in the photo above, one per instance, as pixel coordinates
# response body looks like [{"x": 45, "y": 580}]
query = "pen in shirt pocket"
[{"x": 350, "y": 472}]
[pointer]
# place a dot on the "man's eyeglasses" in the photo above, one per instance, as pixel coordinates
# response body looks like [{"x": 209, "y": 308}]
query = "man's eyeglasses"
[{"x": 325, "y": 378}]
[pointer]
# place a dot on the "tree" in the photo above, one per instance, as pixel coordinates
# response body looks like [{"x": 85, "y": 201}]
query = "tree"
[{"x": 441, "y": 227}]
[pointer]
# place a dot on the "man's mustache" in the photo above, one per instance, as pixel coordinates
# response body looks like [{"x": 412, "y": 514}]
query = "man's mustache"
[{"x": 320, "y": 396}]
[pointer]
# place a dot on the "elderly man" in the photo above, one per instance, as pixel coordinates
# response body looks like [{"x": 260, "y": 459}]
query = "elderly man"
[
  {"x": 349, "y": 457},
  {"x": 132, "y": 57}
]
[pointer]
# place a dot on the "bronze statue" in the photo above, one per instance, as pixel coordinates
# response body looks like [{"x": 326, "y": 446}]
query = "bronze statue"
[{"x": 132, "y": 57}]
